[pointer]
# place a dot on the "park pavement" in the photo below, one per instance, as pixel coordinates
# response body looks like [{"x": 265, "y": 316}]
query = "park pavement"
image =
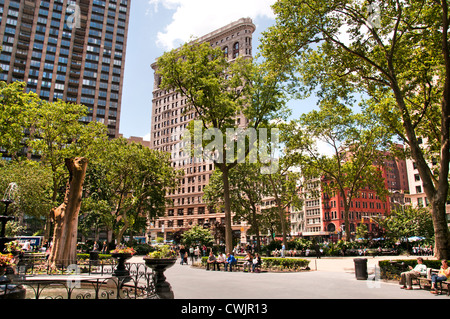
[{"x": 329, "y": 278}]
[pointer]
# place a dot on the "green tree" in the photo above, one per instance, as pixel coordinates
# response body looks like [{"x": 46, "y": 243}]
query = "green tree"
[
  {"x": 395, "y": 55},
  {"x": 138, "y": 179},
  {"x": 218, "y": 91},
  {"x": 34, "y": 187},
  {"x": 16, "y": 108},
  {"x": 284, "y": 186},
  {"x": 356, "y": 142},
  {"x": 407, "y": 221},
  {"x": 246, "y": 193},
  {"x": 57, "y": 134},
  {"x": 197, "y": 236}
]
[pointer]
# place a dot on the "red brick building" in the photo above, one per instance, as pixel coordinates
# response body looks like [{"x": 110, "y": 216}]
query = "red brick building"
[{"x": 366, "y": 204}]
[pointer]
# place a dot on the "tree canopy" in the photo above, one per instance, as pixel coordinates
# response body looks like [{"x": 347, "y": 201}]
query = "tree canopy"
[{"x": 393, "y": 55}]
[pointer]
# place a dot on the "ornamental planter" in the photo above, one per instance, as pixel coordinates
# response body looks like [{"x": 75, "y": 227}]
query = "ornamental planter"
[
  {"x": 159, "y": 265},
  {"x": 121, "y": 271}
]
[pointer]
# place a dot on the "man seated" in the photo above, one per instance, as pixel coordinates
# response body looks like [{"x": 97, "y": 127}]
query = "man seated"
[
  {"x": 248, "y": 261},
  {"x": 256, "y": 263},
  {"x": 407, "y": 276},
  {"x": 220, "y": 260},
  {"x": 230, "y": 262},
  {"x": 211, "y": 261}
]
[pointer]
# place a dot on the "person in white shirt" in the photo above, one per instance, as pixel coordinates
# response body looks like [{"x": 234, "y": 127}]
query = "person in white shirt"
[
  {"x": 407, "y": 276},
  {"x": 27, "y": 246},
  {"x": 220, "y": 260}
]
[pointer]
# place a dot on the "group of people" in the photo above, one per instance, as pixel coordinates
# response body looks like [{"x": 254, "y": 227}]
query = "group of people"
[
  {"x": 104, "y": 249},
  {"x": 229, "y": 261},
  {"x": 421, "y": 270},
  {"x": 422, "y": 250},
  {"x": 192, "y": 252},
  {"x": 253, "y": 262}
]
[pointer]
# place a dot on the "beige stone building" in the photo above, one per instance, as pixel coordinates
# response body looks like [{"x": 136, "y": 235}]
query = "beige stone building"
[{"x": 167, "y": 126}]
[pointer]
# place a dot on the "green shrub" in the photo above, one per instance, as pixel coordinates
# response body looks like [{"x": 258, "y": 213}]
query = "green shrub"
[
  {"x": 86, "y": 256},
  {"x": 143, "y": 249},
  {"x": 285, "y": 263},
  {"x": 280, "y": 263}
]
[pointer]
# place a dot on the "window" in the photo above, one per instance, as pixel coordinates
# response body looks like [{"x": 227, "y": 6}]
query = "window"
[
  {"x": 235, "y": 50},
  {"x": 225, "y": 52}
]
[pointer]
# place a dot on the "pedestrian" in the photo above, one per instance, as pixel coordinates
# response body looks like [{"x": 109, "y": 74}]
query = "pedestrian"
[
  {"x": 191, "y": 252},
  {"x": 197, "y": 253},
  {"x": 186, "y": 255},
  {"x": 182, "y": 252},
  {"x": 105, "y": 247}
]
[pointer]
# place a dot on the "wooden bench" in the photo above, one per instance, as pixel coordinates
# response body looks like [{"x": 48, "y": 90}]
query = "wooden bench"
[
  {"x": 240, "y": 265},
  {"x": 425, "y": 282}
]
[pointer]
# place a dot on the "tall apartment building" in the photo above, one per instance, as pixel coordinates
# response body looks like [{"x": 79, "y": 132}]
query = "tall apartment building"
[
  {"x": 73, "y": 50},
  {"x": 168, "y": 123}
]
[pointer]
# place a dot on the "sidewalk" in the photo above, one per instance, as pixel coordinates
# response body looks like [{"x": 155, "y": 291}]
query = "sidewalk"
[{"x": 329, "y": 278}]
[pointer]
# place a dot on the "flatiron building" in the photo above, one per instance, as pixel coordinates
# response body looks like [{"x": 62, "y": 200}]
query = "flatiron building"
[{"x": 167, "y": 124}]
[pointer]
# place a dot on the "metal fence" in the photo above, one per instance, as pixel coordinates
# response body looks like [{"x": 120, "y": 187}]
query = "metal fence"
[{"x": 85, "y": 280}]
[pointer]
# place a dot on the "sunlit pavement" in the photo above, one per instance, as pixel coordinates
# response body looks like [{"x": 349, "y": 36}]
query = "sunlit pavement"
[{"x": 329, "y": 278}]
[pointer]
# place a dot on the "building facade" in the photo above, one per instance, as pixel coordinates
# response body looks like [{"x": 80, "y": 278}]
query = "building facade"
[
  {"x": 167, "y": 125},
  {"x": 322, "y": 215},
  {"x": 68, "y": 50}
]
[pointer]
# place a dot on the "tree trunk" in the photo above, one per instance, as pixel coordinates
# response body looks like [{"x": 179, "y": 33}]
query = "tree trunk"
[
  {"x": 255, "y": 225},
  {"x": 280, "y": 210},
  {"x": 65, "y": 217}
]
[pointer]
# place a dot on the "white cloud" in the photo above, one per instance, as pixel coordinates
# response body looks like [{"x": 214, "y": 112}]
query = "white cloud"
[
  {"x": 195, "y": 18},
  {"x": 324, "y": 148},
  {"x": 147, "y": 137}
]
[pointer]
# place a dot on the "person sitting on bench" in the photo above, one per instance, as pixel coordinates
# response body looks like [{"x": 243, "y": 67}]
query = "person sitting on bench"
[
  {"x": 230, "y": 262},
  {"x": 407, "y": 276},
  {"x": 443, "y": 275},
  {"x": 211, "y": 261}
]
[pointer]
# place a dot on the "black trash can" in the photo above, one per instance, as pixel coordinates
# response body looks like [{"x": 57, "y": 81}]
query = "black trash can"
[
  {"x": 361, "y": 268},
  {"x": 93, "y": 257}
]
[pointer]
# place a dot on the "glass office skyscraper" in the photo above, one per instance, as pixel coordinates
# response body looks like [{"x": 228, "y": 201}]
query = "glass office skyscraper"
[{"x": 69, "y": 50}]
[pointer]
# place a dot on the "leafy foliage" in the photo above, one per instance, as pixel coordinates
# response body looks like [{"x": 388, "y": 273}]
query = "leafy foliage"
[{"x": 197, "y": 236}]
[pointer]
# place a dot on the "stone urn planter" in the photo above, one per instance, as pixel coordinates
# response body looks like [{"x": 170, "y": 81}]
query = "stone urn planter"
[
  {"x": 122, "y": 254},
  {"x": 121, "y": 258},
  {"x": 159, "y": 266}
]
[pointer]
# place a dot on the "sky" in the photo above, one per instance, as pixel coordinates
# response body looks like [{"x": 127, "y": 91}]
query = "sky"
[{"x": 157, "y": 26}]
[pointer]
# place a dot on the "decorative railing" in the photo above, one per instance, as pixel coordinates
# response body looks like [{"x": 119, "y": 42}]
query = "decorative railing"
[{"x": 81, "y": 281}]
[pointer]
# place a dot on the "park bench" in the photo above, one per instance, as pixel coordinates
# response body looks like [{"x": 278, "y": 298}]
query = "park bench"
[
  {"x": 240, "y": 265},
  {"x": 425, "y": 283}
]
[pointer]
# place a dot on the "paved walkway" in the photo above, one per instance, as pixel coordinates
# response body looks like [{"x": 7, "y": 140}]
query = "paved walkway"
[{"x": 329, "y": 278}]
